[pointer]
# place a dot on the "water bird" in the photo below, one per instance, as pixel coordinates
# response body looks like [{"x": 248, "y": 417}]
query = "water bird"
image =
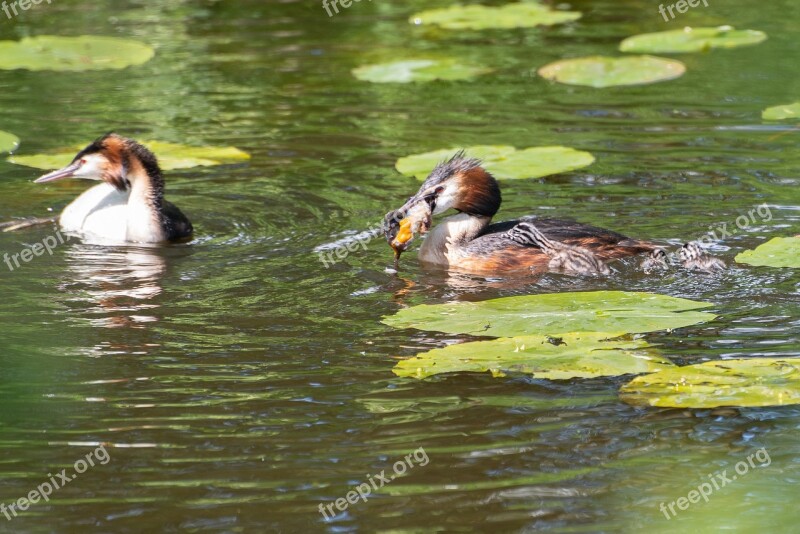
[
  {"x": 563, "y": 257},
  {"x": 693, "y": 258},
  {"x": 129, "y": 205},
  {"x": 655, "y": 261},
  {"x": 469, "y": 242}
]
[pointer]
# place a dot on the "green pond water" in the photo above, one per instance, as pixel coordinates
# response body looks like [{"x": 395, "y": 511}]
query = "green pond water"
[{"x": 237, "y": 383}]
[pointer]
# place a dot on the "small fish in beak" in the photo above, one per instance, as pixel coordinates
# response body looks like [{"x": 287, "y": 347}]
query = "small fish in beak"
[{"x": 400, "y": 232}]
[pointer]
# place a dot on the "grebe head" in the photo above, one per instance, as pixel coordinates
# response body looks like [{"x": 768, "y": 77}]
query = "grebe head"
[
  {"x": 460, "y": 183},
  {"x": 109, "y": 159}
]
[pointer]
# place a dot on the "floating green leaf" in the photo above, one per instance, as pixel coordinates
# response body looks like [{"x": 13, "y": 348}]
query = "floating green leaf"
[
  {"x": 786, "y": 111},
  {"x": 602, "y": 71},
  {"x": 777, "y": 252},
  {"x": 551, "y": 314},
  {"x": 750, "y": 382},
  {"x": 691, "y": 40},
  {"x": 418, "y": 70},
  {"x": 503, "y": 161},
  {"x": 8, "y": 142},
  {"x": 575, "y": 355},
  {"x": 87, "y": 52},
  {"x": 478, "y": 17},
  {"x": 171, "y": 156}
]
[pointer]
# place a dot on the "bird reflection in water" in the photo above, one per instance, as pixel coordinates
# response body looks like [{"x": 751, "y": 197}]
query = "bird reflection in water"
[{"x": 118, "y": 283}]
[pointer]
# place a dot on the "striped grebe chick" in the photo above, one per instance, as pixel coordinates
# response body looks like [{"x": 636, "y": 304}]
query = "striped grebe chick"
[
  {"x": 563, "y": 257},
  {"x": 693, "y": 258},
  {"x": 469, "y": 242},
  {"x": 129, "y": 205},
  {"x": 655, "y": 261}
]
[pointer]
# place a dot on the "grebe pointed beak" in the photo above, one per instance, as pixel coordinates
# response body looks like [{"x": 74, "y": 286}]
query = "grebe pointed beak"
[{"x": 66, "y": 172}]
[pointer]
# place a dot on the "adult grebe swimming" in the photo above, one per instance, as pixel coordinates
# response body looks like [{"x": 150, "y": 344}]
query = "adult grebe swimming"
[
  {"x": 129, "y": 205},
  {"x": 468, "y": 241}
]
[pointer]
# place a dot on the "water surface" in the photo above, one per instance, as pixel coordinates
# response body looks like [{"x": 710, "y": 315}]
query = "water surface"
[{"x": 238, "y": 383}]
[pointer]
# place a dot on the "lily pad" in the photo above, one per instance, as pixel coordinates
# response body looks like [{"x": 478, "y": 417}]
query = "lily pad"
[
  {"x": 777, "y": 113},
  {"x": 478, "y": 17},
  {"x": 575, "y": 355},
  {"x": 553, "y": 314},
  {"x": 603, "y": 71},
  {"x": 8, "y": 142},
  {"x": 777, "y": 252},
  {"x": 746, "y": 382},
  {"x": 418, "y": 70},
  {"x": 171, "y": 156},
  {"x": 691, "y": 40},
  {"x": 87, "y": 52},
  {"x": 503, "y": 161}
]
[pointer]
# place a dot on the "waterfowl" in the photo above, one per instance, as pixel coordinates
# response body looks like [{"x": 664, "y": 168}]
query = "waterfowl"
[
  {"x": 693, "y": 258},
  {"x": 469, "y": 242},
  {"x": 129, "y": 205},
  {"x": 655, "y": 261},
  {"x": 563, "y": 257}
]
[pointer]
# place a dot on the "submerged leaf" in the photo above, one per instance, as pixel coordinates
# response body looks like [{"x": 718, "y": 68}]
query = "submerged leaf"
[
  {"x": 574, "y": 355},
  {"x": 785, "y": 111},
  {"x": 87, "y": 52},
  {"x": 503, "y": 161},
  {"x": 8, "y": 142},
  {"x": 691, "y": 40},
  {"x": 602, "y": 71},
  {"x": 745, "y": 382},
  {"x": 777, "y": 252},
  {"x": 478, "y": 17},
  {"x": 418, "y": 70},
  {"x": 556, "y": 313},
  {"x": 171, "y": 156}
]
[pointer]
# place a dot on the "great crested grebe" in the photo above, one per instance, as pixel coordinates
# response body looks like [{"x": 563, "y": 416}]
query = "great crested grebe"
[
  {"x": 693, "y": 258},
  {"x": 563, "y": 257},
  {"x": 129, "y": 205},
  {"x": 468, "y": 241}
]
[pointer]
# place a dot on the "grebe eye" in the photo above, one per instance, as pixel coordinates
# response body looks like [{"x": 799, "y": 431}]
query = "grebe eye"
[{"x": 84, "y": 161}]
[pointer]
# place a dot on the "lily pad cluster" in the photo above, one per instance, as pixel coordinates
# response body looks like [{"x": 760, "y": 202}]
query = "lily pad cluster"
[
  {"x": 605, "y": 71},
  {"x": 50, "y": 52},
  {"x": 588, "y": 335},
  {"x": 171, "y": 156},
  {"x": 457, "y": 17},
  {"x": 504, "y": 162},
  {"x": 555, "y": 336}
]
